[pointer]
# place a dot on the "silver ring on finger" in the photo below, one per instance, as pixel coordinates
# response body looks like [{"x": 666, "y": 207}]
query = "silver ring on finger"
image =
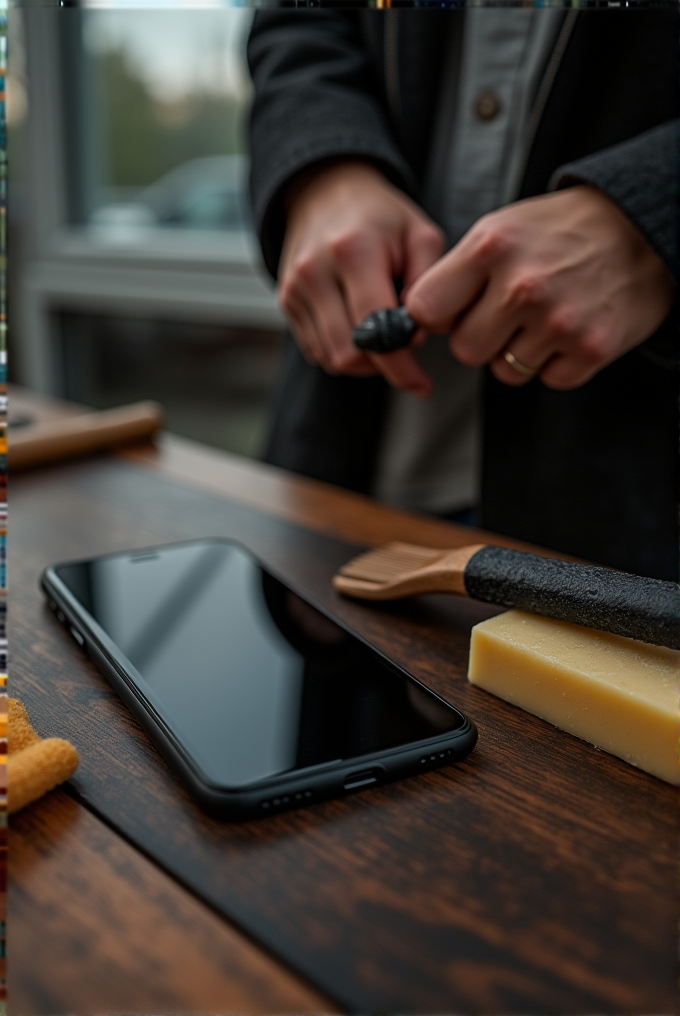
[{"x": 520, "y": 367}]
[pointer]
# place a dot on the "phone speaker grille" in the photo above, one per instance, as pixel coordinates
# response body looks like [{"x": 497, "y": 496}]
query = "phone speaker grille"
[
  {"x": 281, "y": 802},
  {"x": 429, "y": 759}
]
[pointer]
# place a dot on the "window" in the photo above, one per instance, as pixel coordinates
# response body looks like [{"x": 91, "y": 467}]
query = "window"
[
  {"x": 163, "y": 119},
  {"x": 132, "y": 220}
]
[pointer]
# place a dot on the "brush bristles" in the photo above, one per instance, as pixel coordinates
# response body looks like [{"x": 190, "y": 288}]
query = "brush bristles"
[{"x": 386, "y": 563}]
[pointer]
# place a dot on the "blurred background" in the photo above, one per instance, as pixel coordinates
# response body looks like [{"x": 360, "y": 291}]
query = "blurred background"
[{"x": 134, "y": 272}]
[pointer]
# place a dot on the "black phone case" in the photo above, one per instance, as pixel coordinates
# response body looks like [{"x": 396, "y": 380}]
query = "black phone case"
[{"x": 305, "y": 786}]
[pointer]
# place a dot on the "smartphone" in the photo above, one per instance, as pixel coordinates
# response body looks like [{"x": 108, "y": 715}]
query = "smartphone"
[{"x": 257, "y": 698}]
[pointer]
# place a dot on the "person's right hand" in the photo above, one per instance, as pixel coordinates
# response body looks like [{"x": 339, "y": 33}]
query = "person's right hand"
[{"x": 349, "y": 234}]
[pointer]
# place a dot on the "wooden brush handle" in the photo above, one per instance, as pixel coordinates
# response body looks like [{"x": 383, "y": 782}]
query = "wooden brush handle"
[
  {"x": 87, "y": 432},
  {"x": 639, "y": 608}
]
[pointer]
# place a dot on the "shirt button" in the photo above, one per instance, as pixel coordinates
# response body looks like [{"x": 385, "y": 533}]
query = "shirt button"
[{"x": 487, "y": 106}]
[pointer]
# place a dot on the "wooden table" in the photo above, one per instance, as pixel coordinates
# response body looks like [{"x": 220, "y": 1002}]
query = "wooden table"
[{"x": 537, "y": 876}]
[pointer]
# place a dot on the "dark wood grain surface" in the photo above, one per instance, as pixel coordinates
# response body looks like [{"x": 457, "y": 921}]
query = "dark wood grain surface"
[
  {"x": 98, "y": 928},
  {"x": 538, "y": 876},
  {"x": 314, "y": 505}
]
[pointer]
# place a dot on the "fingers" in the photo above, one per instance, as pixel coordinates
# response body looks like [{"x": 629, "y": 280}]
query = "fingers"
[
  {"x": 561, "y": 360},
  {"x": 561, "y": 372},
  {"x": 349, "y": 234},
  {"x": 498, "y": 322},
  {"x": 363, "y": 270},
  {"x": 524, "y": 362},
  {"x": 367, "y": 280},
  {"x": 423, "y": 246},
  {"x": 447, "y": 288},
  {"x": 532, "y": 351},
  {"x": 304, "y": 332},
  {"x": 486, "y": 328},
  {"x": 334, "y": 330},
  {"x": 323, "y": 326},
  {"x": 402, "y": 370},
  {"x": 516, "y": 316},
  {"x": 593, "y": 350},
  {"x": 419, "y": 339},
  {"x": 314, "y": 304},
  {"x": 561, "y": 281}
]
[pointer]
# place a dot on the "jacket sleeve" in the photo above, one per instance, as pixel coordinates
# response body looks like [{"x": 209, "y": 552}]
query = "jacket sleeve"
[
  {"x": 315, "y": 98},
  {"x": 641, "y": 176}
]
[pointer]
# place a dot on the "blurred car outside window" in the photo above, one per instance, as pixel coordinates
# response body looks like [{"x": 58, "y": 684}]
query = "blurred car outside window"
[{"x": 163, "y": 127}]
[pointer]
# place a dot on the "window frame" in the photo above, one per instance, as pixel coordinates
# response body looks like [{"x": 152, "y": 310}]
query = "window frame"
[{"x": 176, "y": 274}]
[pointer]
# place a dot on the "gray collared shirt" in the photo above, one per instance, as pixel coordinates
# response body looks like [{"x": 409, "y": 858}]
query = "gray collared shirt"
[{"x": 429, "y": 458}]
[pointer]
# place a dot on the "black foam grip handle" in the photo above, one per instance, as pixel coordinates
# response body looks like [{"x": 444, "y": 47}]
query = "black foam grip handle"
[{"x": 640, "y": 608}]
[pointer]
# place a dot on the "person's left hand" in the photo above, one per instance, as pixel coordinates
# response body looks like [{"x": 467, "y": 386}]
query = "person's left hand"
[{"x": 563, "y": 282}]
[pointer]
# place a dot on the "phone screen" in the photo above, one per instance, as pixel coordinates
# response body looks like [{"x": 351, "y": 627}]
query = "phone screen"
[{"x": 252, "y": 680}]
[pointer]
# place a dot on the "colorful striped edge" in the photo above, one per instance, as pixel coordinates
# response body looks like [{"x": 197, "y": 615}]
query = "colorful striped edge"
[{"x": 3, "y": 505}]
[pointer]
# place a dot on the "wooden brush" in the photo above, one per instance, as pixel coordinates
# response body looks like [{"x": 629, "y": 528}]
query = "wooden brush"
[
  {"x": 83, "y": 433},
  {"x": 630, "y": 605}
]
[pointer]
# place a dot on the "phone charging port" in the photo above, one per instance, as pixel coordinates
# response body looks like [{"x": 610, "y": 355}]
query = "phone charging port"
[{"x": 363, "y": 778}]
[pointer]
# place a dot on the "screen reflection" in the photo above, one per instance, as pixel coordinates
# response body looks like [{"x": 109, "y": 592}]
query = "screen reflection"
[{"x": 252, "y": 679}]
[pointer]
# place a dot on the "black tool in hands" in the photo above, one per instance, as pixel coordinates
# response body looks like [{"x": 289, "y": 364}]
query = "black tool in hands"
[{"x": 385, "y": 331}]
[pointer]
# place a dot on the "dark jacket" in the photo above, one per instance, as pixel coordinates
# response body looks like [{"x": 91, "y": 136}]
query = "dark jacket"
[{"x": 593, "y": 471}]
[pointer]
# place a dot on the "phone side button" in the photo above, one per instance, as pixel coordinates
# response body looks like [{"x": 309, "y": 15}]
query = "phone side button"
[
  {"x": 77, "y": 636},
  {"x": 363, "y": 778}
]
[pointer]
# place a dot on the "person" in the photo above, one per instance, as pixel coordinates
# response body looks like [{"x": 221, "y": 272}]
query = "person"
[{"x": 557, "y": 291}]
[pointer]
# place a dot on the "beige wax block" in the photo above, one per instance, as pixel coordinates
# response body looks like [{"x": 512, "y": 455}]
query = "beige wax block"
[{"x": 617, "y": 693}]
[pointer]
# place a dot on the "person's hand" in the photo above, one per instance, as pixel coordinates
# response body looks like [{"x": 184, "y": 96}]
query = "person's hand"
[
  {"x": 563, "y": 282},
  {"x": 349, "y": 234}
]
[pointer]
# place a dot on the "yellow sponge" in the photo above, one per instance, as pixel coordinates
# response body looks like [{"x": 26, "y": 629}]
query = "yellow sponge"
[
  {"x": 20, "y": 733},
  {"x": 34, "y": 766},
  {"x": 617, "y": 693}
]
